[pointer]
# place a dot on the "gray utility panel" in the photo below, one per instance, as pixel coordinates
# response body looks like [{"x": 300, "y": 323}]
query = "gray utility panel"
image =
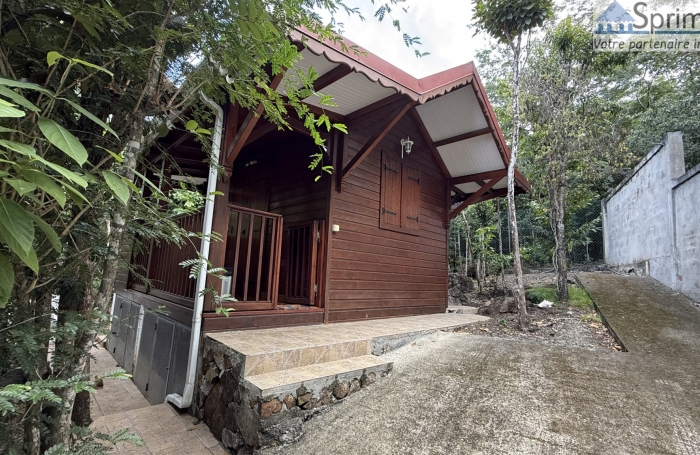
[{"x": 160, "y": 363}]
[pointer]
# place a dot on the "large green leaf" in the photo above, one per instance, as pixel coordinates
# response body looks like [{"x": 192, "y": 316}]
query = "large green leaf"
[
  {"x": 52, "y": 57},
  {"x": 117, "y": 185},
  {"x": 30, "y": 259},
  {"x": 89, "y": 115},
  {"x": 8, "y": 110},
  {"x": 24, "y": 149},
  {"x": 92, "y": 65},
  {"x": 18, "y": 147},
  {"x": 63, "y": 140},
  {"x": 21, "y": 186},
  {"x": 16, "y": 227},
  {"x": 48, "y": 231},
  {"x": 7, "y": 280},
  {"x": 25, "y": 85},
  {"x": 70, "y": 175},
  {"x": 47, "y": 184},
  {"x": 17, "y": 98}
]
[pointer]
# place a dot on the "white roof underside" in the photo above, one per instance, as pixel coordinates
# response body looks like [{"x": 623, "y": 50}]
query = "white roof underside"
[
  {"x": 452, "y": 114},
  {"x": 351, "y": 93},
  {"x": 447, "y": 116}
]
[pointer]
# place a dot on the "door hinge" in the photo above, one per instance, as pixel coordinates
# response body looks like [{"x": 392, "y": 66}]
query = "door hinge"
[
  {"x": 387, "y": 168},
  {"x": 318, "y": 235},
  {"x": 414, "y": 218},
  {"x": 388, "y": 211},
  {"x": 315, "y": 289},
  {"x": 415, "y": 179}
]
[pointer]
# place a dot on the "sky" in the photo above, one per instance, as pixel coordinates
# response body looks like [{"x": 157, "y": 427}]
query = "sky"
[{"x": 441, "y": 25}]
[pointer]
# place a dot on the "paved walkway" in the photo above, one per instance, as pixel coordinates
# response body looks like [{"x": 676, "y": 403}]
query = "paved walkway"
[
  {"x": 647, "y": 317},
  {"x": 119, "y": 404},
  {"x": 456, "y": 393}
]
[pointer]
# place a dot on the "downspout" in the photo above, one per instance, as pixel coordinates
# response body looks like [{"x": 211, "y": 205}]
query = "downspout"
[{"x": 185, "y": 400}]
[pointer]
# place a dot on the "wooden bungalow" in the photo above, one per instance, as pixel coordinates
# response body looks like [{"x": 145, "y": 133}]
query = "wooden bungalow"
[{"x": 368, "y": 241}]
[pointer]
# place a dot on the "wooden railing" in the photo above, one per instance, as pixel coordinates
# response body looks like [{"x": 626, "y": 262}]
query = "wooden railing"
[
  {"x": 160, "y": 264},
  {"x": 253, "y": 249}
]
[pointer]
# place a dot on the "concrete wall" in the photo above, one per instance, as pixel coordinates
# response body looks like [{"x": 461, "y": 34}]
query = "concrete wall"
[
  {"x": 651, "y": 221},
  {"x": 686, "y": 194}
]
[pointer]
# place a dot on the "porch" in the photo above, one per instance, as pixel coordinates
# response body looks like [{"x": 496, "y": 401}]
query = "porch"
[{"x": 274, "y": 379}]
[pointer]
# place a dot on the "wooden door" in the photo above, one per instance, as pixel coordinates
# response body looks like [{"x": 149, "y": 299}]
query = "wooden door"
[{"x": 303, "y": 275}]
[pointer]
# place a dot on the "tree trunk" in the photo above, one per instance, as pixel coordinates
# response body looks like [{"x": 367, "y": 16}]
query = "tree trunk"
[
  {"x": 500, "y": 246},
  {"x": 73, "y": 355},
  {"x": 519, "y": 289},
  {"x": 102, "y": 300},
  {"x": 556, "y": 191},
  {"x": 131, "y": 157},
  {"x": 81, "y": 415},
  {"x": 468, "y": 255}
]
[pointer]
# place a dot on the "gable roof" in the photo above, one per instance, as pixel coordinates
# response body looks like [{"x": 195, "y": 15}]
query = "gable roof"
[{"x": 452, "y": 105}]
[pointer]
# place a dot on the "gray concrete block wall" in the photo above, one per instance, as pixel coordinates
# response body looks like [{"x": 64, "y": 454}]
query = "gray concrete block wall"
[
  {"x": 651, "y": 220},
  {"x": 686, "y": 195}
]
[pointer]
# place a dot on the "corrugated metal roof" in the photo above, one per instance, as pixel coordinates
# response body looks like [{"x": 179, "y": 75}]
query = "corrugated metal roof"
[
  {"x": 452, "y": 114},
  {"x": 351, "y": 93},
  {"x": 471, "y": 156}
]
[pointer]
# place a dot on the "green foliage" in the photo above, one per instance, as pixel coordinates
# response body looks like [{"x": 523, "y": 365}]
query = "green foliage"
[
  {"x": 578, "y": 298},
  {"x": 94, "y": 443},
  {"x": 43, "y": 390},
  {"x": 507, "y": 19},
  {"x": 538, "y": 294}
]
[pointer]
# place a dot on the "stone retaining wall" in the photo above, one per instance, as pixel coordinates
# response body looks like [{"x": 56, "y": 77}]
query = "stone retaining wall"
[{"x": 244, "y": 420}]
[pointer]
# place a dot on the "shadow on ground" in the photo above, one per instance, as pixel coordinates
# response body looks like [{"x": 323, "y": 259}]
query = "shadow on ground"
[{"x": 458, "y": 393}]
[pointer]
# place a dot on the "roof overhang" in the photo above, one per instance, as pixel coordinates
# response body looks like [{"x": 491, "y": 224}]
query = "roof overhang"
[{"x": 451, "y": 109}]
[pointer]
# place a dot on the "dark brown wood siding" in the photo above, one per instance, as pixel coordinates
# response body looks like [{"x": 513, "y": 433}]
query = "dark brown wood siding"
[{"x": 378, "y": 272}]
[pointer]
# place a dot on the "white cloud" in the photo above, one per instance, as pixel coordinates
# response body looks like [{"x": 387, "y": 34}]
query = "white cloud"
[{"x": 440, "y": 24}]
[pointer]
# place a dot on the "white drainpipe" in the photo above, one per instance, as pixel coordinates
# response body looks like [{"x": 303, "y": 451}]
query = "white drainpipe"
[{"x": 184, "y": 400}]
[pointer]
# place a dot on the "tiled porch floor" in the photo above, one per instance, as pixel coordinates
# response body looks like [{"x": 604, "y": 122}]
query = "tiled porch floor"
[
  {"x": 119, "y": 404},
  {"x": 266, "y": 341}
]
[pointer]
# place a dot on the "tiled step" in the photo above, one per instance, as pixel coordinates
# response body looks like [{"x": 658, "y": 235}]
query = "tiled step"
[
  {"x": 317, "y": 376},
  {"x": 283, "y": 357}
]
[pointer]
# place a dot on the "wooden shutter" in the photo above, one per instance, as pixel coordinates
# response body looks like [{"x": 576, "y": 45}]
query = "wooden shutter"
[
  {"x": 390, "y": 204},
  {"x": 410, "y": 198}
]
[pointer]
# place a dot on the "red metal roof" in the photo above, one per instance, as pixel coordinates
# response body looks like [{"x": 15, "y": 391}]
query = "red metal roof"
[{"x": 420, "y": 90}]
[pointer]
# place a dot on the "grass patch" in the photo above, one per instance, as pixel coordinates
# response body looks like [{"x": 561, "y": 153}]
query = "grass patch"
[
  {"x": 539, "y": 293},
  {"x": 577, "y": 296}
]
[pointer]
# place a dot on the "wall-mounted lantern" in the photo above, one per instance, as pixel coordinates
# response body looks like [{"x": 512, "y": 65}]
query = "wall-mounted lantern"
[{"x": 406, "y": 145}]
